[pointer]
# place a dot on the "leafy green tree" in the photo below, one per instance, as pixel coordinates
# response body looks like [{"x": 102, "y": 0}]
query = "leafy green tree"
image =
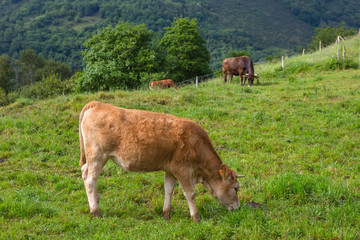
[
  {"x": 239, "y": 53},
  {"x": 6, "y": 73},
  {"x": 117, "y": 57},
  {"x": 187, "y": 53},
  {"x": 26, "y": 67},
  {"x": 329, "y": 35},
  {"x": 31, "y": 68}
]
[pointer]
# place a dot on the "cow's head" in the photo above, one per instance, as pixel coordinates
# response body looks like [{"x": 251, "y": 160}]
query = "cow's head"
[
  {"x": 225, "y": 189},
  {"x": 250, "y": 77}
]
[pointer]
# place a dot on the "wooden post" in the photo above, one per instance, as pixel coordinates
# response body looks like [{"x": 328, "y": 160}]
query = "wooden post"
[
  {"x": 338, "y": 55},
  {"x": 319, "y": 45},
  {"x": 303, "y": 53},
  {"x": 282, "y": 63},
  {"x": 344, "y": 55},
  {"x": 197, "y": 81}
]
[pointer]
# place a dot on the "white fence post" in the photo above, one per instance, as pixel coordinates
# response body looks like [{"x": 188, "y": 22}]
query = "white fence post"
[
  {"x": 197, "y": 81},
  {"x": 319, "y": 45}
]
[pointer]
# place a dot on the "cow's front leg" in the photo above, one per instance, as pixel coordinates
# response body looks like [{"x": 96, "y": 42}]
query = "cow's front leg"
[
  {"x": 224, "y": 77},
  {"x": 169, "y": 184},
  {"x": 90, "y": 174},
  {"x": 188, "y": 189},
  {"x": 230, "y": 78}
]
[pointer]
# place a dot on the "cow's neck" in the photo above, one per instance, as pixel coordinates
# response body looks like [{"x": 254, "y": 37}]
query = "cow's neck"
[{"x": 209, "y": 174}]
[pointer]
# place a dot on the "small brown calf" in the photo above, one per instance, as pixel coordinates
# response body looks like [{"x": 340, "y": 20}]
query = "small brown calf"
[{"x": 141, "y": 141}]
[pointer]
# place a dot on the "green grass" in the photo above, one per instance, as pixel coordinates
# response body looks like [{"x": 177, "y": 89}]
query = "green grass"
[
  {"x": 319, "y": 60},
  {"x": 296, "y": 139}
]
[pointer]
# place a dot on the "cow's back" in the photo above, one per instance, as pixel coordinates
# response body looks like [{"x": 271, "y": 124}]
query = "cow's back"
[
  {"x": 141, "y": 140},
  {"x": 234, "y": 65}
]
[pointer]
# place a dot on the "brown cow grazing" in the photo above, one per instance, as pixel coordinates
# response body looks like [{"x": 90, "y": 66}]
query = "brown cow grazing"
[
  {"x": 168, "y": 83},
  {"x": 141, "y": 141},
  {"x": 239, "y": 66}
]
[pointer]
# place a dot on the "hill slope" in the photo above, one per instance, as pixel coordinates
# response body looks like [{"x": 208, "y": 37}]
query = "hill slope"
[
  {"x": 295, "y": 138},
  {"x": 57, "y": 29}
]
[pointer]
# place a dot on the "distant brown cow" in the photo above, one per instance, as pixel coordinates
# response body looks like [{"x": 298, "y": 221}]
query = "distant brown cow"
[
  {"x": 239, "y": 66},
  {"x": 141, "y": 141},
  {"x": 168, "y": 83}
]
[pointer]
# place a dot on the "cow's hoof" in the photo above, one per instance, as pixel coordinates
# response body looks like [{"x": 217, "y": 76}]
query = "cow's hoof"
[
  {"x": 96, "y": 213},
  {"x": 196, "y": 218},
  {"x": 167, "y": 215}
]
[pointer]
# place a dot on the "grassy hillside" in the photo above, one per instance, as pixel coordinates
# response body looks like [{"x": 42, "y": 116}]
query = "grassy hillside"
[
  {"x": 57, "y": 29},
  {"x": 295, "y": 137},
  {"x": 317, "y": 60}
]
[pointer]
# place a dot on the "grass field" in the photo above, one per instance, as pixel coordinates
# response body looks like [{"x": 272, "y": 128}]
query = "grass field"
[{"x": 296, "y": 139}]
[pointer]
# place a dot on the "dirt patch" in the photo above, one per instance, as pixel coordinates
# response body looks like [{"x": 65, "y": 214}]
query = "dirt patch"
[
  {"x": 255, "y": 205},
  {"x": 3, "y": 160}
]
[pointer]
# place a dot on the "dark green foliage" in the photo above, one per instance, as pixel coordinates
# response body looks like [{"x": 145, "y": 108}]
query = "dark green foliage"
[
  {"x": 57, "y": 29},
  {"x": 117, "y": 58},
  {"x": 239, "y": 53},
  {"x": 320, "y": 12},
  {"x": 31, "y": 68},
  {"x": 6, "y": 73},
  {"x": 187, "y": 52}
]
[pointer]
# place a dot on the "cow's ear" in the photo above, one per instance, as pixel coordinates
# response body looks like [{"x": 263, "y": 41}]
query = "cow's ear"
[{"x": 225, "y": 172}]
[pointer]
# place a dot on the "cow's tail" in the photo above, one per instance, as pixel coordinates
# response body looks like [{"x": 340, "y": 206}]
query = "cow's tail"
[{"x": 82, "y": 148}]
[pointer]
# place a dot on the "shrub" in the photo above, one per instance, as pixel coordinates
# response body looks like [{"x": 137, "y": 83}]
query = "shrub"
[
  {"x": 3, "y": 97},
  {"x": 50, "y": 86},
  {"x": 334, "y": 64}
]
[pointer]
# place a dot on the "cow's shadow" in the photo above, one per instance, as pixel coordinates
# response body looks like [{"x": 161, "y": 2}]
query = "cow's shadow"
[{"x": 266, "y": 83}]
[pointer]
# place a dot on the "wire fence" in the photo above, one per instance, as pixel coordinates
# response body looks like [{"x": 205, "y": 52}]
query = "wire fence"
[{"x": 198, "y": 79}]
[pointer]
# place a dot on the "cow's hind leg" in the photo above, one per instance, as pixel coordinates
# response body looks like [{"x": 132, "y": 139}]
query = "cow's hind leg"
[
  {"x": 169, "y": 184},
  {"x": 90, "y": 174}
]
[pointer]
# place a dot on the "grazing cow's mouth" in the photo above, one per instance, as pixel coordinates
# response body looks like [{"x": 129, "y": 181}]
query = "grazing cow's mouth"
[{"x": 233, "y": 207}]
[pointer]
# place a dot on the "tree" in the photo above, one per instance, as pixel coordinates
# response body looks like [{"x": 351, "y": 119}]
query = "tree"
[
  {"x": 239, "y": 53},
  {"x": 31, "y": 68},
  {"x": 6, "y": 73},
  {"x": 329, "y": 35},
  {"x": 117, "y": 57},
  {"x": 26, "y": 67},
  {"x": 187, "y": 53}
]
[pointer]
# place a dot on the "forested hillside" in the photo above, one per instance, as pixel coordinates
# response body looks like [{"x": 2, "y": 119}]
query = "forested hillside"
[{"x": 58, "y": 29}]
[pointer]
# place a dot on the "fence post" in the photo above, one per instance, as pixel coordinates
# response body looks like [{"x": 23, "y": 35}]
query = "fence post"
[
  {"x": 344, "y": 55},
  {"x": 303, "y": 51},
  {"x": 319, "y": 45},
  {"x": 282, "y": 63},
  {"x": 197, "y": 81},
  {"x": 338, "y": 55}
]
